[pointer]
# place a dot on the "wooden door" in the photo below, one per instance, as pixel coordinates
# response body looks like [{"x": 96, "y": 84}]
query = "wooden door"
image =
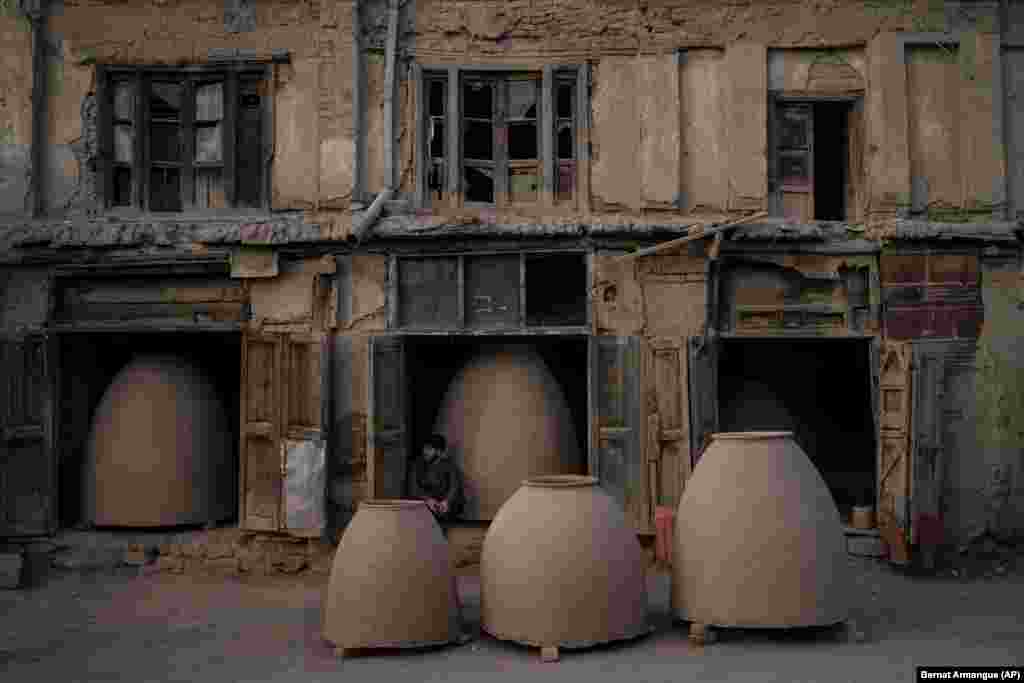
[
  {"x": 28, "y": 500},
  {"x": 304, "y": 447},
  {"x": 703, "y": 384},
  {"x": 795, "y": 159},
  {"x": 261, "y": 410},
  {"x": 389, "y": 434},
  {"x": 894, "y": 395},
  {"x": 616, "y": 453},
  {"x": 668, "y": 420}
]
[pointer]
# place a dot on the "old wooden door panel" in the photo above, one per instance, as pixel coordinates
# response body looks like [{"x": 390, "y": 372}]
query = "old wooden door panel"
[
  {"x": 388, "y": 418},
  {"x": 617, "y": 446},
  {"x": 703, "y": 381},
  {"x": 261, "y": 432},
  {"x": 668, "y": 419},
  {"x": 303, "y": 449},
  {"x": 27, "y": 472},
  {"x": 894, "y": 367}
]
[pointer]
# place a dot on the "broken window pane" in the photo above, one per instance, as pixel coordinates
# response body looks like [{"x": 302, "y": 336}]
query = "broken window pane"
[
  {"x": 122, "y": 186},
  {"x": 165, "y": 142},
  {"x": 479, "y": 184},
  {"x": 124, "y": 143},
  {"x": 436, "y": 137},
  {"x": 564, "y": 104},
  {"x": 165, "y": 100},
  {"x": 522, "y": 99},
  {"x": 249, "y": 183},
  {"x": 794, "y": 127},
  {"x": 210, "y": 102},
  {"x": 523, "y": 184},
  {"x": 565, "y": 146},
  {"x": 165, "y": 189},
  {"x": 209, "y": 189},
  {"x": 566, "y": 181},
  {"x": 435, "y": 98},
  {"x": 522, "y": 141},
  {"x": 208, "y": 143},
  {"x": 477, "y": 100},
  {"x": 124, "y": 101},
  {"x": 478, "y": 142}
]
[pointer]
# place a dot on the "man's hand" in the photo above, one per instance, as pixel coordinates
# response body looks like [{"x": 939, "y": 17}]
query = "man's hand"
[
  {"x": 432, "y": 504},
  {"x": 442, "y": 506}
]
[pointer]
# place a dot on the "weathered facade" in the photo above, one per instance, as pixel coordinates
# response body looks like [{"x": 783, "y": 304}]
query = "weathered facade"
[{"x": 331, "y": 204}]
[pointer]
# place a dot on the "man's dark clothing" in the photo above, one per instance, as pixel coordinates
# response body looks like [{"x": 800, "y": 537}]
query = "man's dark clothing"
[{"x": 439, "y": 479}]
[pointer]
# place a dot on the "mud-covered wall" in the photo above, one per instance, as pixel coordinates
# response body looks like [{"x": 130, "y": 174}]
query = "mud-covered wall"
[{"x": 15, "y": 109}]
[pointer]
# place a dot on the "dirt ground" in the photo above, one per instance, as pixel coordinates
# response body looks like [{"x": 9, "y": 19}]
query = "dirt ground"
[{"x": 123, "y": 626}]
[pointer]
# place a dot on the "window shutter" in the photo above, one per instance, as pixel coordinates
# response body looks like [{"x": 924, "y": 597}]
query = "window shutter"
[
  {"x": 703, "y": 380},
  {"x": 388, "y": 419},
  {"x": 616, "y": 457}
]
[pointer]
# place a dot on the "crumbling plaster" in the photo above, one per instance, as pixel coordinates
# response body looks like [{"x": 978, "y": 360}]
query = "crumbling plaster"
[{"x": 15, "y": 109}]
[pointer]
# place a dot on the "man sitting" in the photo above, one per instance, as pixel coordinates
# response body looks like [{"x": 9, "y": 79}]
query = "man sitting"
[{"x": 437, "y": 480}]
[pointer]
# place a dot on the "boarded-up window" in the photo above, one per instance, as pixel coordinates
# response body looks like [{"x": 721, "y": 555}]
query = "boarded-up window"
[
  {"x": 492, "y": 291},
  {"x": 428, "y": 292}
]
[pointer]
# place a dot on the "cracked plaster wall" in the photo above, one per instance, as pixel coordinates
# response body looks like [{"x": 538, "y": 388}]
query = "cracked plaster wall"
[{"x": 15, "y": 110}]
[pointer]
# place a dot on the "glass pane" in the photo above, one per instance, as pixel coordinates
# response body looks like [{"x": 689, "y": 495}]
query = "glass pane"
[
  {"x": 124, "y": 101},
  {"x": 209, "y": 189},
  {"x": 165, "y": 100},
  {"x": 566, "y": 180},
  {"x": 249, "y": 181},
  {"x": 165, "y": 142},
  {"x": 122, "y": 186},
  {"x": 208, "y": 143},
  {"x": 566, "y": 149},
  {"x": 165, "y": 189},
  {"x": 522, "y": 141},
  {"x": 210, "y": 102},
  {"x": 124, "y": 139},
  {"x": 478, "y": 142},
  {"x": 522, "y": 99},
  {"x": 523, "y": 184},
  {"x": 435, "y": 179},
  {"x": 477, "y": 100},
  {"x": 435, "y": 136},
  {"x": 479, "y": 184},
  {"x": 793, "y": 169},
  {"x": 564, "y": 103},
  {"x": 794, "y": 127},
  {"x": 435, "y": 98}
]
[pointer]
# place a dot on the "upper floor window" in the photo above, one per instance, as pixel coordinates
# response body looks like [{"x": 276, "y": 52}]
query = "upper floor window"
[
  {"x": 498, "y": 138},
  {"x": 185, "y": 138}
]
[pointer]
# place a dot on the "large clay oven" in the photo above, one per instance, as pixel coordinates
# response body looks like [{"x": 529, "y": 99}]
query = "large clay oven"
[
  {"x": 159, "y": 453},
  {"x": 506, "y": 419},
  {"x": 391, "y": 583},
  {"x": 758, "y": 538},
  {"x": 561, "y": 567}
]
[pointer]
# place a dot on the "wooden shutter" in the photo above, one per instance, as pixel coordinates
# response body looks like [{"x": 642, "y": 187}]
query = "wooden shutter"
[
  {"x": 668, "y": 420},
  {"x": 303, "y": 449},
  {"x": 703, "y": 379},
  {"x": 388, "y": 419},
  {"x": 894, "y": 366},
  {"x": 616, "y": 454},
  {"x": 794, "y": 159},
  {"x": 262, "y": 398},
  {"x": 27, "y": 471}
]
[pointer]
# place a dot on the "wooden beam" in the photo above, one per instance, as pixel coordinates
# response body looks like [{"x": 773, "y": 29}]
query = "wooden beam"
[{"x": 698, "y": 231}]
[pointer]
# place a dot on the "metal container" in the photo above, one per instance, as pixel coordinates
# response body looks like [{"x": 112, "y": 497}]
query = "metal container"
[
  {"x": 160, "y": 449},
  {"x": 506, "y": 419},
  {"x": 391, "y": 583},
  {"x": 759, "y": 541},
  {"x": 561, "y": 567}
]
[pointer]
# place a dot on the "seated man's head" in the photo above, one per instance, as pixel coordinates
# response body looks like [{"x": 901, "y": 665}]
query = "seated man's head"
[{"x": 434, "y": 447}]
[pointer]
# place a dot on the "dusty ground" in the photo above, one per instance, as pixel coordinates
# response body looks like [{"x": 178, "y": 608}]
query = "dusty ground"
[{"x": 107, "y": 626}]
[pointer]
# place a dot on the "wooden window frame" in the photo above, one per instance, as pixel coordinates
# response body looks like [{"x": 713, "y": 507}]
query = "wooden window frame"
[
  {"x": 548, "y": 162},
  {"x": 777, "y": 100},
  {"x": 232, "y": 74}
]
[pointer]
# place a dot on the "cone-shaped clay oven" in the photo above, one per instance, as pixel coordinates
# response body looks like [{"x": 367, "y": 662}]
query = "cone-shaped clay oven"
[
  {"x": 561, "y": 566},
  {"x": 758, "y": 538},
  {"x": 391, "y": 582},
  {"x": 160, "y": 450},
  {"x": 506, "y": 419}
]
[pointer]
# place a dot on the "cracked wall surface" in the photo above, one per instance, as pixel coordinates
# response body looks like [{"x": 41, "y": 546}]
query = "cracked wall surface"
[{"x": 15, "y": 110}]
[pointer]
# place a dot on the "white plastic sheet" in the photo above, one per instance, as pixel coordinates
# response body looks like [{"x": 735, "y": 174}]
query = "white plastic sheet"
[{"x": 305, "y": 485}]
